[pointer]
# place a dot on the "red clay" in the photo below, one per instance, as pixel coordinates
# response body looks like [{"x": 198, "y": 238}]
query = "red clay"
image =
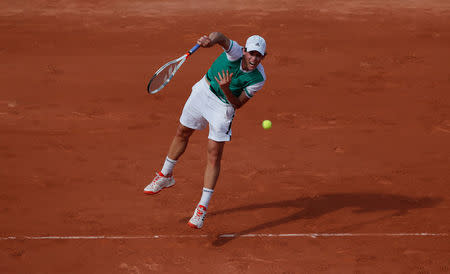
[{"x": 358, "y": 93}]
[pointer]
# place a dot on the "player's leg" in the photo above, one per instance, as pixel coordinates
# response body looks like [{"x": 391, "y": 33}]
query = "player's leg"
[
  {"x": 164, "y": 178},
  {"x": 212, "y": 171},
  {"x": 179, "y": 142},
  {"x": 214, "y": 157},
  {"x": 190, "y": 120},
  {"x": 177, "y": 148},
  {"x": 220, "y": 119}
]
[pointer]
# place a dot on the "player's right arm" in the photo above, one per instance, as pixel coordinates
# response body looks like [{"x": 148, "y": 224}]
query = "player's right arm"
[{"x": 214, "y": 38}]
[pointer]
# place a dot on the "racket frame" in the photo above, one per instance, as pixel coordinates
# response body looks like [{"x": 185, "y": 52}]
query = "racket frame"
[{"x": 181, "y": 60}]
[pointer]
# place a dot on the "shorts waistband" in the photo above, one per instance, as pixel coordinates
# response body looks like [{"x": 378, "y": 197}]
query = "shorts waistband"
[
  {"x": 211, "y": 93},
  {"x": 207, "y": 79}
]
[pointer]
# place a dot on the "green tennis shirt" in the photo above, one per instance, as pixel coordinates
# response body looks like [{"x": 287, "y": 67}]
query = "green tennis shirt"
[{"x": 247, "y": 81}]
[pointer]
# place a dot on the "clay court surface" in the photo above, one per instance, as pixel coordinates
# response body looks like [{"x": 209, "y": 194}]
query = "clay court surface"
[{"x": 359, "y": 152}]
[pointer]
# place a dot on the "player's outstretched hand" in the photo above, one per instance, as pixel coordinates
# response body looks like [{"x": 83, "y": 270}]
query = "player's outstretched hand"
[{"x": 224, "y": 79}]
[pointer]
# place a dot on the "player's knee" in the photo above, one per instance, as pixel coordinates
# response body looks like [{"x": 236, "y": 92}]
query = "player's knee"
[
  {"x": 213, "y": 159},
  {"x": 184, "y": 132}
]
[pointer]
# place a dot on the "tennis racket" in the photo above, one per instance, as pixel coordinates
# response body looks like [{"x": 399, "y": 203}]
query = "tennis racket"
[{"x": 163, "y": 75}]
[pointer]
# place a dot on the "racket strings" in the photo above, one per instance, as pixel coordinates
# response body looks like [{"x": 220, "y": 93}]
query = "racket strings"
[{"x": 161, "y": 78}]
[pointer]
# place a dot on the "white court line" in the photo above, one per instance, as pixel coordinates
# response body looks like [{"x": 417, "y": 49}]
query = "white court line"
[
  {"x": 260, "y": 235},
  {"x": 317, "y": 235}
]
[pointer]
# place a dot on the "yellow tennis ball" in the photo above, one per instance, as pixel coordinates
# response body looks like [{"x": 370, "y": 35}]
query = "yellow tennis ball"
[{"x": 266, "y": 124}]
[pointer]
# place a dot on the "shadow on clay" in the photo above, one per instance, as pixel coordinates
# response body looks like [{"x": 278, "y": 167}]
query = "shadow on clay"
[{"x": 314, "y": 207}]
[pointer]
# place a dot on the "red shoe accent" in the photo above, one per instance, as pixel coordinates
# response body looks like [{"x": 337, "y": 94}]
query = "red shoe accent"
[
  {"x": 165, "y": 176},
  {"x": 192, "y": 225},
  {"x": 150, "y": 192},
  {"x": 202, "y": 207}
]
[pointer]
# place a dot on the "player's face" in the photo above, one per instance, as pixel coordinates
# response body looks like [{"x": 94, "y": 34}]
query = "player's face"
[{"x": 251, "y": 59}]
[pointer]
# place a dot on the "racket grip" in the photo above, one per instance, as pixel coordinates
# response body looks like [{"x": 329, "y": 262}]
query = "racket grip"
[{"x": 192, "y": 50}]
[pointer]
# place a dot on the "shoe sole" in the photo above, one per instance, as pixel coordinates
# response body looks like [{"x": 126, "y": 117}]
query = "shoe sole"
[
  {"x": 151, "y": 192},
  {"x": 193, "y": 226}
]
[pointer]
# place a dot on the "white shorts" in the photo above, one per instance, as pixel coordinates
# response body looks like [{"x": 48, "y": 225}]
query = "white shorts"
[{"x": 204, "y": 107}]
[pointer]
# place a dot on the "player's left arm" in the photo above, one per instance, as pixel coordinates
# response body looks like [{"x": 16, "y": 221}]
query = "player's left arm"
[
  {"x": 243, "y": 98},
  {"x": 237, "y": 102},
  {"x": 224, "y": 80},
  {"x": 249, "y": 92}
]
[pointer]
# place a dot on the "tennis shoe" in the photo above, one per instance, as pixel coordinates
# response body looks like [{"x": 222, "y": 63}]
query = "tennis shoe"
[
  {"x": 198, "y": 218},
  {"x": 159, "y": 182}
]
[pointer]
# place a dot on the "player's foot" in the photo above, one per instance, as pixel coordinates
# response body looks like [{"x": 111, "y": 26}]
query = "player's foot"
[
  {"x": 198, "y": 218},
  {"x": 159, "y": 182}
]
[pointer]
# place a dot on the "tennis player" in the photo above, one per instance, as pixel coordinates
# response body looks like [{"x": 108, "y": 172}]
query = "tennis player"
[{"x": 234, "y": 78}]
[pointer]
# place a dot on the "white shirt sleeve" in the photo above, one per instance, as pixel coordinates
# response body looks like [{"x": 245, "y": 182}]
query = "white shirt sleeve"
[
  {"x": 234, "y": 52},
  {"x": 251, "y": 90}
]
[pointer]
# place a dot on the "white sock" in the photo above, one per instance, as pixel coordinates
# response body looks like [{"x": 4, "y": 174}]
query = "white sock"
[
  {"x": 168, "y": 166},
  {"x": 206, "y": 196}
]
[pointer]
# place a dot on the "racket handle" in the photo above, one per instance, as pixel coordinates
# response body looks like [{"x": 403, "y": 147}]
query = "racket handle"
[{"x": 192, "y": 50}]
